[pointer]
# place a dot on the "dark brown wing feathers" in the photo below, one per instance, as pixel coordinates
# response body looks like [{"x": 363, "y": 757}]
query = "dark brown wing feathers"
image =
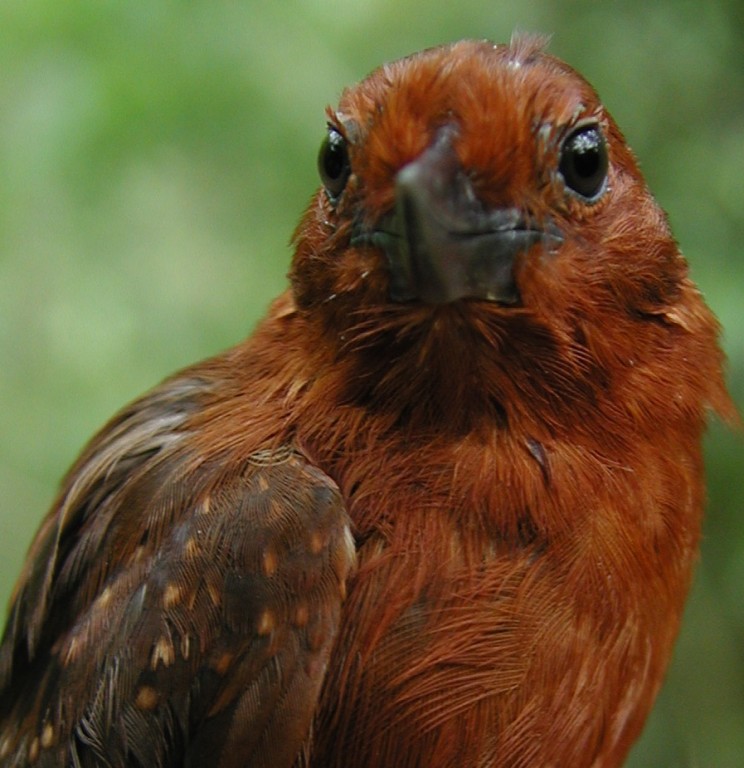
[{"x": 174, "y": 598}]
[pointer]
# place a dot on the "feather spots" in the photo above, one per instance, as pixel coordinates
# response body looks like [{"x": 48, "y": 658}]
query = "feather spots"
[
  {"x": 266, "y": 623},
  {"x": 191, "y": 548},
  {"x": 318, "y": 542},
  {"x": 147, "y": 698},
  {"x": 103, "y": 600},
  {"x": 6, "y": 744},
  {"x": 172, "y": 595},
  {"x": 206, "y": 505},
  {"x": 163, "y": 652},
  {"x": 33, "y": 750},
  {"x": 215, "y": 595},
  {"x": 223, "y": 662},
  {"x": 269, "y": 561},
  {"x": 301, "y": 616},
  {"x": 47, "y": 736}
]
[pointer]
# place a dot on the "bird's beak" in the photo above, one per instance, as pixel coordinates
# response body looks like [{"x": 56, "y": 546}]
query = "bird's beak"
[{"x": 442, "y": 244}]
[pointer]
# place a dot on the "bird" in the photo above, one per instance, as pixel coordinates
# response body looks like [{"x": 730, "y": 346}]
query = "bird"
[{"x": 442, "y": 507}]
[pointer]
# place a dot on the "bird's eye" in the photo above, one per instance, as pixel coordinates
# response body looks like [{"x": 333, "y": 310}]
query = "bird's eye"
[
  {"x": 333, "y": 163},
  {"x": 583, "y": 163}
]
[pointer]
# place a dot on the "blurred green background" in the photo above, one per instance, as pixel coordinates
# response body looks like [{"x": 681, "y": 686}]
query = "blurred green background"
[{"x": 155, "y": 157}]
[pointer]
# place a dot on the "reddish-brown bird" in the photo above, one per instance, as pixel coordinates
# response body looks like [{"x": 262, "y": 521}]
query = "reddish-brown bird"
[{"x": 440, "y": 509}]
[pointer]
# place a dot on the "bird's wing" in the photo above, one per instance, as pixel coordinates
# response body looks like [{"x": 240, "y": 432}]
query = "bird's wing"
[{"x": 178, "y": 607}]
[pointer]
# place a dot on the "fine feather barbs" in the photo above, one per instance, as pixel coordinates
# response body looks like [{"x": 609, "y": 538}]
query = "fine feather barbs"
[{"x": 443, "y": 505}]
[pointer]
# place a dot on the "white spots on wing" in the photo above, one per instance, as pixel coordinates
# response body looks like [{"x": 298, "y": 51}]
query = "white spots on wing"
[
  {"x": 223, "y": 663},
  {"x": 172, "y": 595},
  {"x": 318, "y": 540},
  {"x": 33, "y": 750},
  {"x": 30, "y": 752},
  {"x": 301, "y": 616},
  {"x": 147, "y": 698},
  {"x": 266, "y": 623},
  {"x": 47, "y": 736},
  {"x": 104, "y": 599},
  {"x": 269, "y": 562},
  {"x": 185, "y": 646},
  {"x": 164, "y": 652},
  {"x": 214, "y": 594},
  {"x": 138, "y": 554},
  {"x": 191, "y": 548}
]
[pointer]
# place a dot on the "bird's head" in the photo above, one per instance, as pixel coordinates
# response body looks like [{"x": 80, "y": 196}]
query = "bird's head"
[{"x": 483, "y": 225}]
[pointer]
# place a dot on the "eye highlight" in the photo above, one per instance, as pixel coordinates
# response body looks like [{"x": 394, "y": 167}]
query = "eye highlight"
[
  {"x": 333, "y": 163},
  {"x": 584, "y": 163}
]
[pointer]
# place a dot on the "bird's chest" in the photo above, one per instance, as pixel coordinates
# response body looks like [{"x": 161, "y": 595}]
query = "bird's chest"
[
  {"x": 432, "y": 653},
  {"x": 487, "y": 620}
]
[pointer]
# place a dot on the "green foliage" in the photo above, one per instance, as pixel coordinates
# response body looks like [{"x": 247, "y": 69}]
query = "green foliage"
[{"x": 155, "y": 157}]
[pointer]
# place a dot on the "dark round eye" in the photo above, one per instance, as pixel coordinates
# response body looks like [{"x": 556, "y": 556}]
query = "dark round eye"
[
  {"x": 583, "y": 162},
  {"x": 333, "y": 163}
]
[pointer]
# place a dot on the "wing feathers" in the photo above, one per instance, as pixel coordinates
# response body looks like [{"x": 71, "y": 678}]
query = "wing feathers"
[{"x": 209, "y": 619}]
